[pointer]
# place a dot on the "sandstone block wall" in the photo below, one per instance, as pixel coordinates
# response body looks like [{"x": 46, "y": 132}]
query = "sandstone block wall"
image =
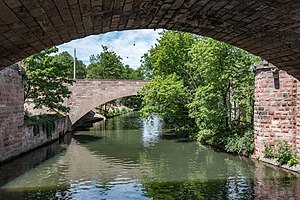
[
  {"x": 15, "y": 136},
  {"x": 269, "y": 29},
  {"x": 31, "y": 140},
  {"x": 11, "y": 112},
  {"x": 276, "y": 107}
]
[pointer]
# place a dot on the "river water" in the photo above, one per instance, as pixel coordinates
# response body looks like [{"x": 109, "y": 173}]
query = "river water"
[{"x": 125, "y": 158}]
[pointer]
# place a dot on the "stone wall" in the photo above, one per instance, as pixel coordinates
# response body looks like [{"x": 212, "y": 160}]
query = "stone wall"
[
  {"x": 11, "y": 112},
  {"x": 276, "y": 107},
  {"x": 15, "y": 136},
  {"x": 32, "y": 140}
]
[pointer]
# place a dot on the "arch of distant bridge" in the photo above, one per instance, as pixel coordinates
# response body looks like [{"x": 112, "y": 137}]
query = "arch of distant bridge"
[{"x": 88, "y": 94}]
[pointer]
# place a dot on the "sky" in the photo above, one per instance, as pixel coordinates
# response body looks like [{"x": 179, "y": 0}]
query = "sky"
[{"x": 130, "y": 45}]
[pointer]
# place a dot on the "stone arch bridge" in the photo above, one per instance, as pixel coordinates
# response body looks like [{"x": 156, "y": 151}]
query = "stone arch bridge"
[
  {"x": 268, "y": 28},
  {"x": 88, "y": 94}
]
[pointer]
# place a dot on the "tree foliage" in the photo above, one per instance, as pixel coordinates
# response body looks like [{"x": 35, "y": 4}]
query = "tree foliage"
[
  {"x": 223, "y": 100},
  {"x": 167, "y": 96},
  {"x": 66, "y": 59},
  {"x": 171, "y": 56},
  {"x": 213, "y": 80},
  {"x": 108, "y": 65},
  {"x": 47, "y": 80},
  {"x": 171, "y": 90}
]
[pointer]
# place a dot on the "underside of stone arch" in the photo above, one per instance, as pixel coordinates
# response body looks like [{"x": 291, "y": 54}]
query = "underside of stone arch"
[{"x": 268, "y": 28}]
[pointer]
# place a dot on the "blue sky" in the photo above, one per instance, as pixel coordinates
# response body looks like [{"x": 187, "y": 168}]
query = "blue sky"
[{"x": 121, "y": 42}]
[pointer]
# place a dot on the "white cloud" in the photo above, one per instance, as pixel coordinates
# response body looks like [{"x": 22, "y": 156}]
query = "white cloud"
[{"x": 121, "y": 42}]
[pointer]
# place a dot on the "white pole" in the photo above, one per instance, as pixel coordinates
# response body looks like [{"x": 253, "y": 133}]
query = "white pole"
[{"x": 74, "y": 63}]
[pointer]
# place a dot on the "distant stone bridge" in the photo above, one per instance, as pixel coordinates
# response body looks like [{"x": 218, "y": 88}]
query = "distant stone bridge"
[{"x": 88, "y": 94}]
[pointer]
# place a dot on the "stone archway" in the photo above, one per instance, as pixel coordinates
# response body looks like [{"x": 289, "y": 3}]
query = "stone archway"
[
  {"x": 267, "y": 28},
  {"x": 88, "y": 94}
]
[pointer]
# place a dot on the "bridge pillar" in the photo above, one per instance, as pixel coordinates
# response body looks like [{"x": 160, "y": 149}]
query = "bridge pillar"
[
  {"x": 276, "y": 107},
  {"x": 11, "y": 112}
]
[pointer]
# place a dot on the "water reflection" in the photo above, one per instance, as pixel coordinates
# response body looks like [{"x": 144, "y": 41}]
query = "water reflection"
[
  {"x": 17, "y": 167},
  {"x": 271, "y": 183},
  {"x": 128, "y": 160},
  {"x": 152, "y": 129}
]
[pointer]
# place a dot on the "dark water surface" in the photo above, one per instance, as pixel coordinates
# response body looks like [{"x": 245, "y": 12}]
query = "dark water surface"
[{"x": 125, "y": 158}]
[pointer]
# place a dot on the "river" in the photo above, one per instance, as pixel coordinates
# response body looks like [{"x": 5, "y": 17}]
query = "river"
[{"x": 125, "y": 158}]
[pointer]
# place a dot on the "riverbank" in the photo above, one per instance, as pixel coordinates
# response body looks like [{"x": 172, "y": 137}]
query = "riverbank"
[
  {"x": 111, "y": 110},
  {"x": 244, "y": 147},
  {"x": 294, "y": 168},
  {"x": 35, "y": 136}
]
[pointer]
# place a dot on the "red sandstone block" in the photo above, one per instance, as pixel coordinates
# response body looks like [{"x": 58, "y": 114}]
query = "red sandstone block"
[
  {"x": 6, "y": 143},
  {"x": 271, "y": 112}
]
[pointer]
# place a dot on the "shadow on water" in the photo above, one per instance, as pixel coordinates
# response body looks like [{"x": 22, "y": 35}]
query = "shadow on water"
[
  {"x": 60, "y": 192},
  {"x": 184, "y": 140},
  {"x": 27, "y": 161},
  {"x": 205, "y": 189},
  {"x": 184, "y": 190},
  {"x": 86, "y": 138}
]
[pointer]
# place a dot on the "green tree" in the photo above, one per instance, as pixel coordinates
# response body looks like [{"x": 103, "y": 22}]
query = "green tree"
[
  {"x": 218, "y": 80},
  {"x": 173, "y": 80},
  {"x": 146, "y": 65},
  {"x": 171, "y": 56},
  {"x": 132, "y": 74},
  {"x": 168, "y": 97},
  {"x": 223, "y": 100},
  {"x": 138, "y": 74},
  {"x": 47, "y": 81},
  {"x": 106, "y": 65},
  {"x": 66, "y": 59}
]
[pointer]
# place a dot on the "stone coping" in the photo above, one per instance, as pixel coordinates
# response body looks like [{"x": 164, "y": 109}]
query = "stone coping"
[{"x": 295, "y": 168}]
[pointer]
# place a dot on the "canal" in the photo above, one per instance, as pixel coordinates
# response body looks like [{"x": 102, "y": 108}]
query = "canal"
[{"x": 125, "y": 158}]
